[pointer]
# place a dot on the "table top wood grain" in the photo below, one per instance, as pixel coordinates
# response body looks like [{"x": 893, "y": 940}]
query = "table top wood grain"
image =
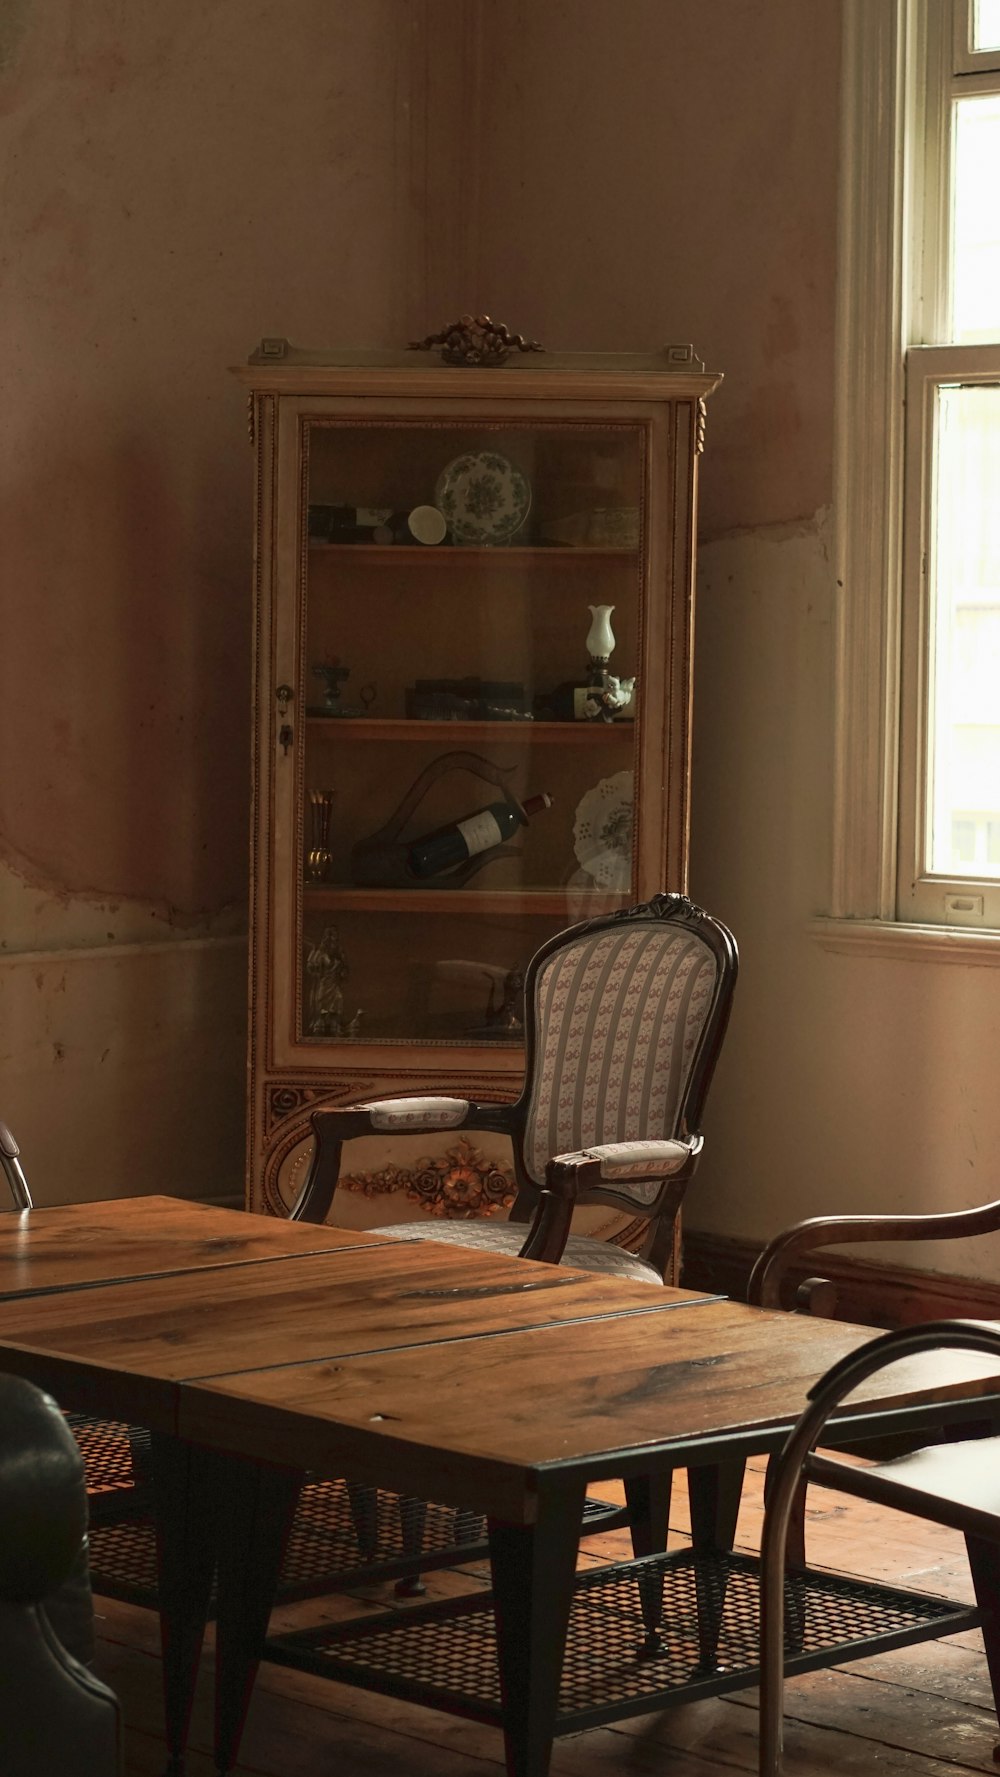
[
  {"x": 602, "y": 1397},
  {"x": 462, "y": 1376},
  {"x": 90, "y": 1243}
]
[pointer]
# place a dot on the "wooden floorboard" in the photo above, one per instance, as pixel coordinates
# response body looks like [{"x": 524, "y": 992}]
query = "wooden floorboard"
[{"x": 925, "y": 1711}]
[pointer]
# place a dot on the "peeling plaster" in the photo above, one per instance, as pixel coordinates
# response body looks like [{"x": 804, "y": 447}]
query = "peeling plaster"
[
  {"x": 806, "y": 528},
  {"x": 36, "y": 916}
]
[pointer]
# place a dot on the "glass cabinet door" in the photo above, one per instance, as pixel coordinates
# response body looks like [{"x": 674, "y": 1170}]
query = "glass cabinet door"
[{"x": 470, "y": 634}]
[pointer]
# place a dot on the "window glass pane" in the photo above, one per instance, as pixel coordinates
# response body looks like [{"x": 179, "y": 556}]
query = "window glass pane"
[
  {"x": 986, "y": 24},
  {"x": 964, "y": 696},
  {"x": 976, "y": 240}
]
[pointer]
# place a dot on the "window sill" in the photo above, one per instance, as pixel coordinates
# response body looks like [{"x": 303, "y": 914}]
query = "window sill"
[{"x": 938, "y": 944}]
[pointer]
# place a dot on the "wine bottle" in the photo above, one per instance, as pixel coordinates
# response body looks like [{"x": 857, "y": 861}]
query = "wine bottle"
[
  {"x": 461, "y": 840},
  {"x": 346, "y": 524}
]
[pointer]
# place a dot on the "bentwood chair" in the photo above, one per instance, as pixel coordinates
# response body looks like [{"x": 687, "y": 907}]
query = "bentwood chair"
[
  {"x": 624, "y": 1017},
  {"x": 786, "y": 1274},
  {"x": 955, "y": 1485},
  {"x": 782, "y": 1275}
]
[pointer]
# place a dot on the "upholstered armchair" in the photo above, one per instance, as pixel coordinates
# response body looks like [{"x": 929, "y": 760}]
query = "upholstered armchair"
[{"x": 624, "y": 1018}]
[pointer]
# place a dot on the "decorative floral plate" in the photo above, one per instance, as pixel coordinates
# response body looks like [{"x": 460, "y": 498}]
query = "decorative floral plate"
[
  {"x": 483, "y": 497},
  {"x": 602, "y": 832}
]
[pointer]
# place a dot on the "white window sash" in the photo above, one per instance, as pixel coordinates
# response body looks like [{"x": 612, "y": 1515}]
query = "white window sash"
[{"x": 871, "y": 306}]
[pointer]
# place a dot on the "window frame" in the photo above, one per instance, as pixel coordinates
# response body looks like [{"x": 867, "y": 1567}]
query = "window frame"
[{"x": 899, "y": 72}]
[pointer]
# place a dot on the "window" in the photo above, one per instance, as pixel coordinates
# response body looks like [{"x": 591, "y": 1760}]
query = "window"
[
  {"x": 918, "y": 467},
  {"x": 949, "y": 802}
]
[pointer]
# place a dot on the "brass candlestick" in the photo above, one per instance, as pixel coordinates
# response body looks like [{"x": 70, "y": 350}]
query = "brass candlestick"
[{"x": 319, "y": 857}]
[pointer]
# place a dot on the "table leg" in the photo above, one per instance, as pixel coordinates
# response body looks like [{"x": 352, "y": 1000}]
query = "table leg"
[
  {"x": 260, "y": 1504},
  {"x": 188, "y": 1504},
  {"x": 533, "y": 1567}
]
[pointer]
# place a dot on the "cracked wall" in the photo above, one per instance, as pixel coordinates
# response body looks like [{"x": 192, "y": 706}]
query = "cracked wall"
[{"x": 176, "y": 183}]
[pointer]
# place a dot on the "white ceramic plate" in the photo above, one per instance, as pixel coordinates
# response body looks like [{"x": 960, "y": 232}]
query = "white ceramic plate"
[
  {"x": 602, "y": 832},
  {"x": 484, "y": 498}
]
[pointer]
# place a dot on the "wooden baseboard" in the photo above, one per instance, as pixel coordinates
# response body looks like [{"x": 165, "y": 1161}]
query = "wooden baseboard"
[{"x": 873, "y": 1294}]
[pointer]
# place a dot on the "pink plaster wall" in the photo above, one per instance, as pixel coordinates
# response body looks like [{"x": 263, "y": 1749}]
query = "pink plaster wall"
[
  {"x": 177, "y": 180},
  {"x": 665, "y": 170}
]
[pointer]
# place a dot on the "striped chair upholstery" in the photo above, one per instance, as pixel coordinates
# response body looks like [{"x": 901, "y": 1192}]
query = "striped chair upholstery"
[{"x": 618, "y": 1018}]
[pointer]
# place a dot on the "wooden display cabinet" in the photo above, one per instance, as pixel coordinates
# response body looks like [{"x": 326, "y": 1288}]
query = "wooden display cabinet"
[{"x": 455, "y": 673}]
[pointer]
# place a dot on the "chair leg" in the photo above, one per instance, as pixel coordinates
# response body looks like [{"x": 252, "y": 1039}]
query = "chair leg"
[
  {"x": 648, "y": 1501},
  {"x": 413, "y": 1524},
  {"x": 796, "y": 1536},
  {"x": 363, "y": 1502},
  {"x": 795, "y": 1552},
  {"x": 714, "y": 1493},
  {"x": 984, "y": 1563}
]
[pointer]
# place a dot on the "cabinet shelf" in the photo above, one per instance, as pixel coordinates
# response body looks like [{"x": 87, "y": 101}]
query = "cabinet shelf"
[
  {"x": 371, "y": 728},
  {"x": 574, "y": 903},
  {"x": 405, "y": 554}
]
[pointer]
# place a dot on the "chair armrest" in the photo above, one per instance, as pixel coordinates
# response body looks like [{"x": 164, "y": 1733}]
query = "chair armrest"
[
  {"x": 625, "y": 1164},
  {"x": 388, "y": 1116},
  {"x": 595, "y": 1172},
  {"x": 10, "y": 1163},
  {"x": 432, "y": 1114},
  {"x": 775, "y": 1261},
  {"x": 632, "y": 1159}
]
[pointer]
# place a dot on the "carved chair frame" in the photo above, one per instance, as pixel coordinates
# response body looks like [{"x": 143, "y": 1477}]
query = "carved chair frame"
[{"x": 567, "y": 1177}]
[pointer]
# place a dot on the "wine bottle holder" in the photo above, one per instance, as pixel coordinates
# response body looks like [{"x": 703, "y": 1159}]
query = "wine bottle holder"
[{"x": 383, "y": 860}]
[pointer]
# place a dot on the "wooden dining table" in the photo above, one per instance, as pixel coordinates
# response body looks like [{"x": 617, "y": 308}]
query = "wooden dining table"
[{"x": 255, "y": 1349}]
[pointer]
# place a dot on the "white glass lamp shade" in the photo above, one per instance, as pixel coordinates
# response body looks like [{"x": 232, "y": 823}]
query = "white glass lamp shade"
[{"x": 600, "y": 635}]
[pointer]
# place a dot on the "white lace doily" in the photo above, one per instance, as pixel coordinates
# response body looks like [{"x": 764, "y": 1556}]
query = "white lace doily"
[{"x": 602, "y": 832}]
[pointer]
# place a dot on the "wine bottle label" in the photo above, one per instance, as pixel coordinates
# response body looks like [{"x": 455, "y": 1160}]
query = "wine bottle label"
[{"x": 480, "y": 831}]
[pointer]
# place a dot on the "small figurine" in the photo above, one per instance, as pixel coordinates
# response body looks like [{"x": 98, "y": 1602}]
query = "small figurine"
[
  {"x": 326, "y": 967},
  {"x": 507, "y": 1017},
  {"x": 602, "y": 703}
]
